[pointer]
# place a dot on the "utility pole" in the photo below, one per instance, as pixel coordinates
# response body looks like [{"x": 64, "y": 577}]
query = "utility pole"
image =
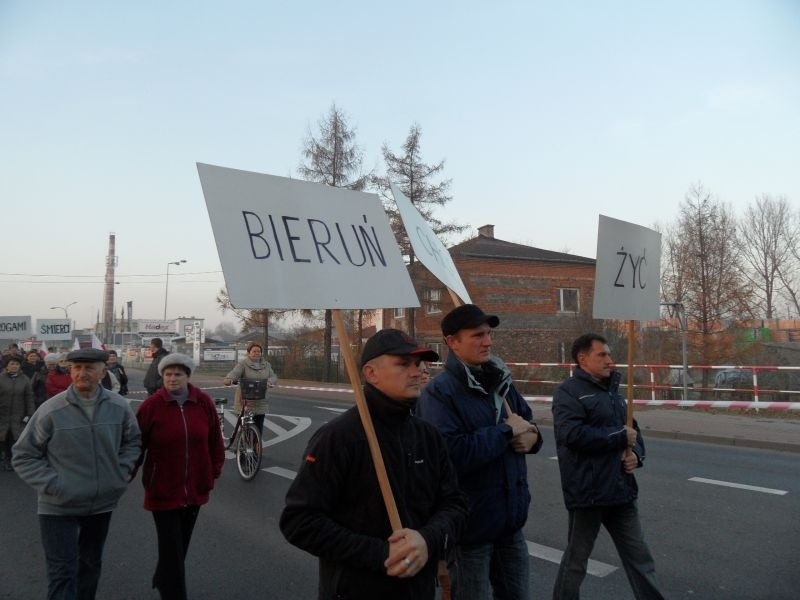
[{"x": 680, "y": 312}]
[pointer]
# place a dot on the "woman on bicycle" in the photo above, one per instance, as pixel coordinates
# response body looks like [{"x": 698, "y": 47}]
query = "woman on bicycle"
[
  {"x": 253, "y": 366},
  {"x": 183, "y": 454}
]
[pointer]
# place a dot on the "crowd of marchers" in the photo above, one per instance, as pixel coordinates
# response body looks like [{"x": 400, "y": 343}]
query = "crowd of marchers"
[{"x": 454, "y": 451}]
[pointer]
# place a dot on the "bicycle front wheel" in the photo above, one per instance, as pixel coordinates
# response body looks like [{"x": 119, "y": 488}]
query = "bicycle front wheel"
[{"x": 248, "y": 452}]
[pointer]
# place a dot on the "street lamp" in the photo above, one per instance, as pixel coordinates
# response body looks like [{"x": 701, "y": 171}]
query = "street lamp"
[
  {"x": 166, "y": 287},
  {"x": 64, "y": 308}
]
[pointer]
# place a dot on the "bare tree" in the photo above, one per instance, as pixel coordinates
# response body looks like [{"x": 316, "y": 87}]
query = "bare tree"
[
  {"x": 415, "y": 180},
  {"x": 769, "y": 233},
  {"x": 333, "y": 158},
  {"x": 789, "y": 272},
  {"x": 702, "y": 270},
  {"x": 253, "y": 318}
]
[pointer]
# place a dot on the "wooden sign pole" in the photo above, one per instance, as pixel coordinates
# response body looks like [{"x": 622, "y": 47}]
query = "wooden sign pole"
[
  {"x": 631, "y": 355},
  {"x": 366, "y": 421}
]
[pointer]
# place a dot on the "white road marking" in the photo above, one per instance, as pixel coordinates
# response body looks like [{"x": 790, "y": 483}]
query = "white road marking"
[
  {"x": 300, "y": 425},
  {"x": 595, "y": 568},
  {"x": 552, "y": 555},
  {"x": 281, "y": 472},
  {"x": 338, "y": 410},
  {"x": 741, "y": 486},
  {"x": 281, "y": 434}
]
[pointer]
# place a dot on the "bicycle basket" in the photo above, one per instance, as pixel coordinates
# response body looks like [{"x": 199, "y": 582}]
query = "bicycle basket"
[{"x": 253, "y": 389}]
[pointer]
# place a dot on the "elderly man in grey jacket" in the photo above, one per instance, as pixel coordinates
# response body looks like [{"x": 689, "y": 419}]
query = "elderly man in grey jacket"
[{"x": 78, "y": 451}]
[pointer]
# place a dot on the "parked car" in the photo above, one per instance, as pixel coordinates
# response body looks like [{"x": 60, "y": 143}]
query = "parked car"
[
  {"x": 734, "y": 378},
  {"x": 733, "y": 384}
]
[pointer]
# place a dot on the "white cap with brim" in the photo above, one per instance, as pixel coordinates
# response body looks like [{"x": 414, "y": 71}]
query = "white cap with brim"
[{"x": 176, "y": 359}]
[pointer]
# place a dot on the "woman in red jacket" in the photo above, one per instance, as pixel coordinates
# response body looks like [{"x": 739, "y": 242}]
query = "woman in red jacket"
[
  {"x": 57, "y": 379},
  {"x": 183, "y": 453}
]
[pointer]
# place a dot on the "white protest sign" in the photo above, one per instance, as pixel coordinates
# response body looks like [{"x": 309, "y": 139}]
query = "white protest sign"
[
  {"x": 428, "y": 248},
  {"x": 15, "y": 328},
  {"x": 285, "y": 243},
  {"x": 628, "y": 273},
  {"x": 53, "y": 329}
]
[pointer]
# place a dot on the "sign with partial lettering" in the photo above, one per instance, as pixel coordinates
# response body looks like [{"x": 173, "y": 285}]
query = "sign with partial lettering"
[
  {"x": 53, "y": 329},
  {"x": 156, "y": 327},
  {"x": 13, "y": 328},
  {"x": 628, "y": 273},
  {"x": 217, "y": 354},
  {"x": 428, "y": 248},
  {"x": 285, "y": 243}
]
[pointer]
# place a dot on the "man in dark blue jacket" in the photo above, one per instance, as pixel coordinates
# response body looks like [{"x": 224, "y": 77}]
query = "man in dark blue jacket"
[
  {"x": 487, "y": 445},
  {"x": 597, "y": 454}
]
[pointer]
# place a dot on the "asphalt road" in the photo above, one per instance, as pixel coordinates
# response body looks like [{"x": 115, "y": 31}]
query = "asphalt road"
[{"x": 710, "y": 540}]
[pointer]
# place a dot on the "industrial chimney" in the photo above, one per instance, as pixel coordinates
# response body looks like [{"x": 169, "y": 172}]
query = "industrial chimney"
[{"x": 108, "y": 302}]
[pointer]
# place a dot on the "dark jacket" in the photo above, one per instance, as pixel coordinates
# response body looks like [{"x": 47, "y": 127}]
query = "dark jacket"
[
  {"x": 152, "y": 380},
  {"x": 589, "y": 425},
  {"x": 119, "y": 372},
  {"x": 334, "y": 508},
  {"x": 16, "y": 402},
  {"x": 79, "y": 466},
  {"x": 182, "y": 449},
  {"x": 39, "y": 385},
  {"x": 493, "y": 475}
]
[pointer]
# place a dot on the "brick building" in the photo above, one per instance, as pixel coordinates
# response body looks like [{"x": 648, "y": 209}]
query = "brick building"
[{"x": 543, "y": 298}]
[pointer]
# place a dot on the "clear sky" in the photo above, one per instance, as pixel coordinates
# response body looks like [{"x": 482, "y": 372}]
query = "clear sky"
[{"x": 547, "y": 114}]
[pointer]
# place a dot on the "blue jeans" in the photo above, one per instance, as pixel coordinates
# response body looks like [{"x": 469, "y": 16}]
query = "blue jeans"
[
  {"x": 622, "y": 523},
  {"x": 503, "y": 565},
  {"x": 73, "y": 550}
]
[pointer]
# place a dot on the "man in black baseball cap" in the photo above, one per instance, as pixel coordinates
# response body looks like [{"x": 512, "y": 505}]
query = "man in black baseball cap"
[
  {"x": 466, "y": 316},
  {"x": 395, "y": 343},
  {"x": 487, "y": 444},
  {"x": 333, "y": 507}
]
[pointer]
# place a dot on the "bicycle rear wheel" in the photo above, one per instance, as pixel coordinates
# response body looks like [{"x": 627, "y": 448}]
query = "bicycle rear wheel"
[{"x": 248, "y": 452}]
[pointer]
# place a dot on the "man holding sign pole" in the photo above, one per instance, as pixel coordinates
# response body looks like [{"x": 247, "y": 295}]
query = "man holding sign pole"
[
  {"x": 468, "y": 402},
  {"x": 597, "y": 455},
  {"x": 334, "y": 508}
]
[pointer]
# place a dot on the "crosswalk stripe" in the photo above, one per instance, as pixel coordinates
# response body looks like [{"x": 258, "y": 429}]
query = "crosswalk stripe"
[
  {"x": 281, "y": 472},
  {"x": 741, "y": 486},
  {"x": 552, "y": 555}
]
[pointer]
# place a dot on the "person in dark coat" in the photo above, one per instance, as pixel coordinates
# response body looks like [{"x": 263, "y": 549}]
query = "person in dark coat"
[
  {"x": 597, "y": 455},
  {"x": 488, "y": 446},
  {"x": 16, "y": 407},
  {"x": 152, "y": 379},
  {"x": 35, "y": 369},
  {"x": 183, "y": 454},
  {"x": 334, "y": 508},
  {"x": 115, "y": 367}
]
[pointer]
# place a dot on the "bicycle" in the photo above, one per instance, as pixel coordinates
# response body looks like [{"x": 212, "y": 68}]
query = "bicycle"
[{"x": 245, "y": 438}]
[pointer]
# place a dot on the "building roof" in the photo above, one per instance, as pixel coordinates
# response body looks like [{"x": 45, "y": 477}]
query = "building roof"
[{"x": 485, "y": 246}]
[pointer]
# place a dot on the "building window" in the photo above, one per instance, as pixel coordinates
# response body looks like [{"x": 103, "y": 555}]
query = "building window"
[
  {"x": 568, "y": 300},
  {"x": 399, "y": 313},
  {"x": 433, "y": 300}
]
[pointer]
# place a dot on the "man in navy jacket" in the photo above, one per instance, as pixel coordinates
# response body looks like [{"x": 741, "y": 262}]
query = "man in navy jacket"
[
  {"x": 597, "y": 454},
  {"x": 488, "y": 447}
]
